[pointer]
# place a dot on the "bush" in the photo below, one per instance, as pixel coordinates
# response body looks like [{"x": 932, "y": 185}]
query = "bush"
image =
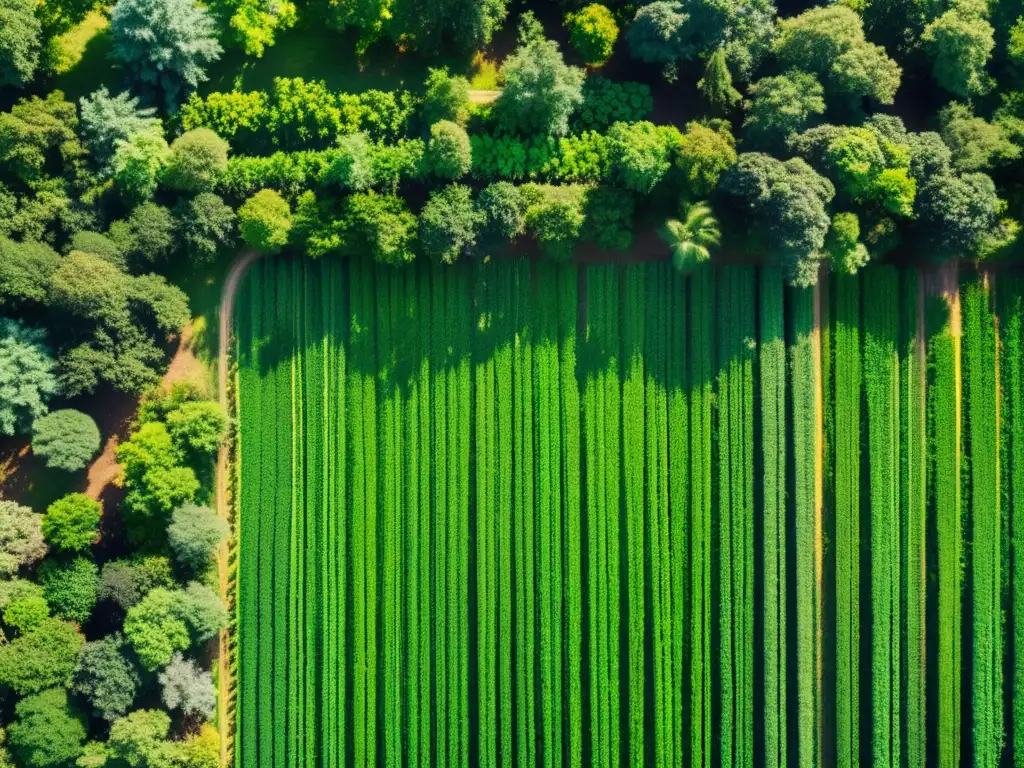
[
  {"x": 641, "y": 154},
  {"x": 449, "y": 152},
  {"x": 70, "y": 587},
  {"x": 351, "y": 169},
  {"x": 27, "y": 380},
  {"x": 845, "y": 252},
  {"x": 47, "y": 732},
  {"x": 98, "y": 245},
  {"x": 503, "y": 210},
  {"x": 541, "y": 91},
  {"x": 398, "y": 162},
  {"x": 554, "y": 216},
  {"x": 197, "y": 160},
  {"x": 126, "y": 581},
  {"x": 72, "y": 522},
  {"x": 44, "y": 658},
  {"x": 137, "y": 164},
  {"x": 449, "y": 223},
  {"x": 265, "y": 220},
  {"x": 147, "y": 236},
  {"x": 197, "y": 428},
  {"x": 194, "y": 535},
  {"x": 21, "y": 537},
  {"x": 609, "y": 218},
  {"x": 593, "y": 32},
  {"x": 107, "y": 678},
  {"x": 606, "y": 102},
  {"x": 204, "y": 611},
  {"x": 705, "y": 152},
  {"x": 290, "y": 173},
  {"x": 67, "y": 439},
  {"x": 445, "y": 98}
]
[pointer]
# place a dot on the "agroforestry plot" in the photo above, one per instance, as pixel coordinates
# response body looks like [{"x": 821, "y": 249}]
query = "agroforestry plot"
[{"x": 535, "y": 514}]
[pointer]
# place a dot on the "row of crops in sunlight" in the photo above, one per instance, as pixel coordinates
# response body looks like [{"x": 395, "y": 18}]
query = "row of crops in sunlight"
[{"x": 529, "y": 514}]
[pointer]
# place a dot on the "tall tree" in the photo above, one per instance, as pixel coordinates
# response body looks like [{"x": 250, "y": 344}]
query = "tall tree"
[
  {"x": 541, "y": 90},
  {"x": 19, "y": 42}
]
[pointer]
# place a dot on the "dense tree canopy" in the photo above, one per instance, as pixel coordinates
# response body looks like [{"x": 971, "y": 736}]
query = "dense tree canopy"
[
  {"x": 27, "y": 378},
  {"x": 21, "y": 537},
  {"x": 47, "y": 731},
  {"x": 20, "y": 33},
  {"x": 541, "y": 90},
  {"x": 107, "y": 677}
]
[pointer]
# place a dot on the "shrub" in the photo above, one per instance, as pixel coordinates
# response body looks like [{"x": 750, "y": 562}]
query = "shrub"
[
  {"x": 606, "y": 102},
  {"x": 705, "y": 152},
  {"x": 137, "y": 164},
  {"x": 227, "y": 114},
  {"x": 593, "y": 32},
  {"x": 197, "y": 159},
  {"x": 107, "y": 678},
  {"x": 47, "y": 731},
  {"x": 21, "y": 537},
  {"x": 148, "y": 233},
  {"x": 70, "y": 587},
  {"x": 449, "y": 223},
  {"x": 351, "y": 168},
  {"x": 67, "y": 439},
  {"x": 398, "y": 162},
  {"x": 554, "y": 215},
  {"x": 71, "y": 523},
  {"x": 44, "y": 658},
  {"x": 449, "y": 152},
  {"x": 609, "y": 216},
  {"x": 503, "y": 210},
  {"x": 641, "y": 154},
  {"x": 188, "y": 688},
  {"x": 107, "y": 119},
  {"x": 541, "y": 91},
  {"x": 204, "y": 611},
  {"x": 98, "y": 245},
  {"x": 264, "y": 221},
  {"x": 197, "y": 428},
  {"x": 194, "y": 535},
  {"x": 845, "y": 252}
]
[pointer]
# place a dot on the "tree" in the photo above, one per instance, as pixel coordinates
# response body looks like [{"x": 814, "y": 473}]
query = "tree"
[
  {"x": 716, "y": 85},
  {"x": 593, "y": 32},
  {"x": 138, "y": 739},
  {"x": 656, "y": 34},
  {"x": 842, "y": 244},
  {"x": 27, "y": 378},
  {"x": 86, "y": 287},
  {"x": 782, "y": 106},
  {"x": 194, "y": 535},
  {"x": 165, "y": 44},
  {"x": 67, "y": 439},
  {"x": 449, "y": 153},
  {"x": 106, "y": 677},
  {"x": 704, "y": 153},
  {"x": 156, "y": 628},
  {"x": 98, "y": 244},
  {"x": 36, "y": 131},
  {"x": 829, "y": 42},
  {"x": 197, "y": 428},
  {"x": 71, "y": 523},
  {"x": 137, "y": 164},
  {"x": 26, "y": 613},
  {"x": 690, "y": 239},
  {"x": 785, "y": 203},
  {"x": 352, "y": 167},
  {"x": 128, "y": 580},
  {"x": 380, "y": 226},
  {"x": 449, "y": 224},
  {"x": 147, "y": 235},
  {"x": 125, "y": 357},
  {"x": 20, "y": 34},
  {"x": 188, "y": 688},
  {"x": 198, "y": 159},
  {"x": 47, "y": 731},
  {"x": 541, "y": 91},
  {"x": 107, "y": 120},
  {"x": 960, "y": 42},
  {"x": 502, "y": 210},
  {"x": 641, "y": 154},
  {"x": 203, "y": 610},
  {"x": 44, "y": 658},
  {"x": 25, "y": 271},
  {"x": 446, "y": 97},
  {"x": 70, "y": 586},
  {"x": 21, "y": 537},
  {"x": 975, "y": 144},
  {"x": 954, "y": 212},
  {"x": 206, "y": 225},
  {"x": 265, "y": 220}
]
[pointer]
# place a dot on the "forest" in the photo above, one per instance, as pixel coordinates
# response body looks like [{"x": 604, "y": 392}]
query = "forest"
[{"x": 479, "y": 382}]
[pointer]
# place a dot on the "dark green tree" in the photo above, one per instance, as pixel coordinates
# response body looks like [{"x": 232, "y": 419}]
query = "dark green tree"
[
  {"x": 503, "y": 210},
  {"x": 446, "y": 97},
  {"x": 541, "y": 90},
  {"x": 782, "y": 106},
  {"x": 206, "y": 226},
  {"x": 27, "y": 378},
  {"x": 107, "y": 677},
  {"x": 194, "y": 535},
  {"x": 66, "y": 439},
  {"x": 44, "y": 658},
  {"x": 70, "y": 587},
  {"x": 449, "y": 224},
  {"x": 20, "y": 33},
  {"x": 378, "y": 226},
  {"x": 47, "y": 731}
]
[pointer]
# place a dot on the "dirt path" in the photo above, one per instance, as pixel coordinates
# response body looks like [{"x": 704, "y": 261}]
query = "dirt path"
[{"x": 225, "y": 682}]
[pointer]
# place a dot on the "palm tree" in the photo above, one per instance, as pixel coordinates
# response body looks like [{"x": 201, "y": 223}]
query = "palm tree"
[{"x": 690, "y": 239}]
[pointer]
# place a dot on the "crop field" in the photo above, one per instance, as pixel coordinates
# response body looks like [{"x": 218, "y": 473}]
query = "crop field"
[{"x": 525, "y": 514}]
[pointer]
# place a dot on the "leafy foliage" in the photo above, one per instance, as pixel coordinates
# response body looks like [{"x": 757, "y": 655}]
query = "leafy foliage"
[
  {"x": 21, "y": 537},
  {"x": 960, "y": 42},
  {"x": 67, "y": 439},
  {"x": 606, "y": 102},
  {"x": 380, "y": 227},
  {"x": 188, "y": 688},
  {"x": 128, "y": 580},
  {"x": 20, "y": 33},
  {"x": 503, "y": 209},
  {"x": 107, "y": 677},
  {"x": 449, "y": 153},
  {"x": 70, "y": 587},
  {"x": 541, "y": 91},
  {"x": 156, "y": 628},
  {"x": 704, "y": 153},
  {"x": 974, "y": 143},
  {"x": 197, "y": 160},
  {"x": 449, "y": 224},
  {"x": 44, "y": 658},
  {"x": 47, "y": 731},
  {"x": 26, "y": 613},
  {"x": 555, "y": 217},
  {"x": 641, "y": 154},
  {"x": 593, "y": 32},
  {"x": 206, "y": 225},
  {"x": 27, "y": 378},
  {"x": 689, "y": 239},
  {"x": 446, "y": 97},
  {"x": 194, "y": 535},
  {"x": 845, "y": 251},
  {"x": 264, "y": 221},
  {"x": 71, "y": 523},
  {"x": 107, "y": 120},
  {"x": 782, "y": 106}
]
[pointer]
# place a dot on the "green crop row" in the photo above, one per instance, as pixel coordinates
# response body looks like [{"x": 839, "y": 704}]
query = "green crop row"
[{"x": 527, "y": 514}]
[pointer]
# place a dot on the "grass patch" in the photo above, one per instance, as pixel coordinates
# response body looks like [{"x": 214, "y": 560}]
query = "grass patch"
[{"x": 83, "y": 62}]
